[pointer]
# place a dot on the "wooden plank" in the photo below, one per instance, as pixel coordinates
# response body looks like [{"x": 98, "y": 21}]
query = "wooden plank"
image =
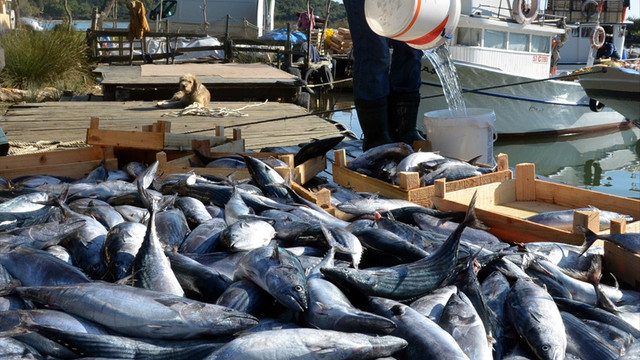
[{"x": 74, "y": 163}]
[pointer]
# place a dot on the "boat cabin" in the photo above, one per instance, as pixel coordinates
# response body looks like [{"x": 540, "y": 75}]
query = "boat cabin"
[{"x": 235, "y": 18}]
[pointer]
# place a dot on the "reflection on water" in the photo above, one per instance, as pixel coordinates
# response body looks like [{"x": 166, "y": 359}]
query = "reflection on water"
[{"x": 606, "y": 162}]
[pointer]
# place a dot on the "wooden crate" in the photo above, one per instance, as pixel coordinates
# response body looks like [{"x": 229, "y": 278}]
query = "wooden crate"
[
  {"x": 620, "y": 262},
  {"x": 503, "y": 206},
  {"x": 157, "y": 137},
  {"x": 300, "y": 174},
  {"x": 409, "y": 188},
  {"x": 74, "y": 163}
]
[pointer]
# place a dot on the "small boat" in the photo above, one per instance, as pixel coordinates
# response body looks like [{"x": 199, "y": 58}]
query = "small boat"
[
  {"x": 503, "y": 59},
  {"x": 615, "y": 86}
]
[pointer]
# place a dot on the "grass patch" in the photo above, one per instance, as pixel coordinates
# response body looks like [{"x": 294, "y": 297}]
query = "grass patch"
[{"x": 53, "y": 58}]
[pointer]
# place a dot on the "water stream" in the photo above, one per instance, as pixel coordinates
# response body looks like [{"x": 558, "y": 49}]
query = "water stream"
[{"x": 446, "y": 71}]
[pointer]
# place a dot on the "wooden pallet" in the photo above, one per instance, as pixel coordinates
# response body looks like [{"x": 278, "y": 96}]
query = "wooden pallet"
[
  {"x": 74, "y": 163},
  {"x": 620, "y": 262},
  {"x": 409, "y": 188}
]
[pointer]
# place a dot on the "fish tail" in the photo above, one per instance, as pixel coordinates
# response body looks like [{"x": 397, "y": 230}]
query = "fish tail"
[{"x": 589, "y": 238}]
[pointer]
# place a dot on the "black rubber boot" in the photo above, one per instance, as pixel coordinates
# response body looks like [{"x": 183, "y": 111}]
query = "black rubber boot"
[
  {"x": 403, "y": 115},
  {"x": 374, "y": 121}
]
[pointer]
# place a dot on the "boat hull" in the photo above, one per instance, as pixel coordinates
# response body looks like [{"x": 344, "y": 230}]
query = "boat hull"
[
  {"x": 523, "y": 106},
  {"x": 616, "y": 87}
]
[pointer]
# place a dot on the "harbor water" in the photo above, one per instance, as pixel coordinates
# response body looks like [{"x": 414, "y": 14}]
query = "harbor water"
[{"x": 607, "y": 162}]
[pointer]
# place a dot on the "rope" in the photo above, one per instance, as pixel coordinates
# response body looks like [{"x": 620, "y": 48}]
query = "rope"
[
  {"x": 29, "y": 147},
  {"x": 197, "y": 110}
]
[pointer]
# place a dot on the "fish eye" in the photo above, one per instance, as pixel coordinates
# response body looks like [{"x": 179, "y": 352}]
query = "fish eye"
[
  {"x": 297, "y": 288},
  {"x": 546, "y": 347}
]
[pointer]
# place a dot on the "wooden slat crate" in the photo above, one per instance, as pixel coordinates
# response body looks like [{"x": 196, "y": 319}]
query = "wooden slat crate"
[
  {"x": 409, "y": 188},
  {"x": 620, "y": 262},
  {"x": 503, "y": 206},
  {"x": 300, "y": 174},
  {"x": 156, "y": 137},
  {"x": 74, "y": 163}
]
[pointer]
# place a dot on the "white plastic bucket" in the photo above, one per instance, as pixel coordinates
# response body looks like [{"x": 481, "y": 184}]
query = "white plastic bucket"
[
  {"x": 423, "y": 24},
  {"x": 462, "y": 137}
]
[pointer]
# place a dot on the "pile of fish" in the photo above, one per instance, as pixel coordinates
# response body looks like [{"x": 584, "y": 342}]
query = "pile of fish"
[
  {"x": 120, "y": 265},
  {"x": 384, "y": 162}
]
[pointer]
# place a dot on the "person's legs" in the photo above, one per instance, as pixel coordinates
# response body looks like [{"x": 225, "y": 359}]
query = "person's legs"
[
  {"x": 404, "y": 98},
  {"x": 370, "y": 76}
]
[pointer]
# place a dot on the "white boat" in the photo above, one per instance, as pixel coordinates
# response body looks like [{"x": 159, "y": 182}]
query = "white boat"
[
  {"x": 617, "y": 87},
  {"x": 582, "y": 18},
  {"x": 503, "y": 61}
]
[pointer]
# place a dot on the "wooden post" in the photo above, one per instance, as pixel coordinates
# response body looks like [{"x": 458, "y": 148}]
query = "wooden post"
[{"x": 526, "y": 182}]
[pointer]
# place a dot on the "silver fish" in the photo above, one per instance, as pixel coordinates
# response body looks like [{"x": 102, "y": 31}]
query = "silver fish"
[
  {"x": 563, "y": 219},
  {"x": 410, "y": 280},
  {"x": 426, "y": 340},
  {"x": 330, "y": 309},
  {"x": 151, "y": 267},
  {"x": 308, "y": 344},
  {"x": 537, "y": 319},
  {"x": 410, "y": 162},
  {"x": 461, "y": 320},
  {"x": 120, "y": 248},
  {"x": 193, "y": 209},
  {"x": 37, "y": 267},
  {"x": 248, "y": 234},
  {"x": 393, "y": 151},
  {"x": 98, "y": 209},
  {"x": 584, "y": 342},
  {"x": 278, "y": 272},
  {"x": 139, "y": 312}
]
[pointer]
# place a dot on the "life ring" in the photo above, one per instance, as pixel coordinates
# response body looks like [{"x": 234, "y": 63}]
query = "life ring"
[
  {"x": 597, "y": 37},
  {"x": 589, "y": 11},
  {"x": 524, "y": 14}
]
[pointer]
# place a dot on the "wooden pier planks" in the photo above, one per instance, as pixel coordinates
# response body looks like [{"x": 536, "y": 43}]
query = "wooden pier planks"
[{"x": 266, "y": 124}]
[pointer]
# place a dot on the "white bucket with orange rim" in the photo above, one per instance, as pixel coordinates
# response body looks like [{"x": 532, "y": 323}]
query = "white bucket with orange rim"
[{"x": 423, "y": 24}]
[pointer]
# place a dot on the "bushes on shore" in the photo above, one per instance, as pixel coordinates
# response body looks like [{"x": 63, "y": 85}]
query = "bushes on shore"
[{"x": 52, "y": 58}]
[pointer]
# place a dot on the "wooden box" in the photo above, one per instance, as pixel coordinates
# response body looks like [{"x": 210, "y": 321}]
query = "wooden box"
[
  {"x": 74, "y": 163},
  {"x": 503, "y": 206},
  {"x": 300, "y": 174},
  {"x": 158, "y": 137},
  {"x": 620, "y": 262},
  {"x": 409, "y": 188}
]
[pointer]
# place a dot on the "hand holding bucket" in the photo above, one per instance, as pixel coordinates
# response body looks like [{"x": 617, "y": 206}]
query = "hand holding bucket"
[{"x": 423, "y": 24}]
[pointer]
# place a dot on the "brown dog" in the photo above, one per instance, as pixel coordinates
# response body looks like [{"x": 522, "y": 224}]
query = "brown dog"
[{"x": 192, "y": 93}]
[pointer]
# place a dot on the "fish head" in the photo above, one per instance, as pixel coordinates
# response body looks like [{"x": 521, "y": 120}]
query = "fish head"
[
  {"x": 289, "y": 287},
  {"x": 547, "y": 347}
]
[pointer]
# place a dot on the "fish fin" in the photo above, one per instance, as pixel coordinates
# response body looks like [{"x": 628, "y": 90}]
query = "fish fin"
[
  {"x": 276, "y": 252},
  {"x": 474, "y": 160},
  {"x": 323, "y": 306}
]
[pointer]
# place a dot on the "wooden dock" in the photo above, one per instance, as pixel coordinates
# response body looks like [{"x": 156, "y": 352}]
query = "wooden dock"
[
  {"x": 226, "y": 82},
  {"x": 264, "y": 124}
]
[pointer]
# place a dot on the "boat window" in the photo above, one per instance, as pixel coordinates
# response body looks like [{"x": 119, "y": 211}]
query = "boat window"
[
  {"x": 518, "y": 42},
  {"x": 468, "y": 37},
  {"x": 168, "y": 9},
  {"x": 585, "y": 32},
  {"x": 495, "y": 39},
  {"x": 540, "y": 44}
]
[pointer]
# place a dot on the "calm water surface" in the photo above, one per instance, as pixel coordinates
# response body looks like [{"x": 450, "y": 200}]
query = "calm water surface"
[{"x": 606, "y": 162}]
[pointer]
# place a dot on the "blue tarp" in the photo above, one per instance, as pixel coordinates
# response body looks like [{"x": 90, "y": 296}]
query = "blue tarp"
[{"x": 281, "y": 34}]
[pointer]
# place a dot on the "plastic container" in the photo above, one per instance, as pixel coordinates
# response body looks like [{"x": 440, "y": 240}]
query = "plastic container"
[
  {"x": 462, "y": 136},
  {"x": 423, "y": 24}
]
